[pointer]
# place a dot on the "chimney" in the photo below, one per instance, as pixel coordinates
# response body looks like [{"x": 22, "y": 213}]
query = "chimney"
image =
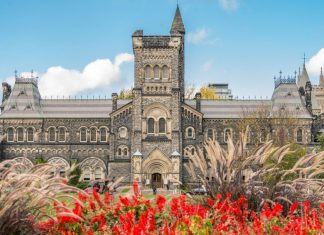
[
  {"x": 114, "y": 101},
  {"x": 198, "y": 99}
]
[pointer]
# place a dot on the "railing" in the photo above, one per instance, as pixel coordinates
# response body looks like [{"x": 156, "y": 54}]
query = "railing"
[
  {"x": 27, "y": 80},
  {"x": 284, "y": 80}
]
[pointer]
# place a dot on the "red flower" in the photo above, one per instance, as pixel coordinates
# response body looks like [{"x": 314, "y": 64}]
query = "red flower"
[
  {"x": 160, "y": 201},
  {"x": 293, "y": 207}
]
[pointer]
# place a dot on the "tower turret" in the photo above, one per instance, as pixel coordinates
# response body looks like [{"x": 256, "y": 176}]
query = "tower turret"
[
  {"x": 321, "y": 80},
  {"x": 177, "y": 24}
]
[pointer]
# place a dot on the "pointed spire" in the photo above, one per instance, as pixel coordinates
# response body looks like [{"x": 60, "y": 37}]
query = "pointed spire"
[
  {"x": 321, "y": 81},
  {"x": 177, "y": 24}
]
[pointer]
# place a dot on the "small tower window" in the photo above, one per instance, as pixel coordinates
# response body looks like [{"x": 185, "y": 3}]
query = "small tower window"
[
  {"x": 161, "y": 125},
  {"x": 156, "y": 72},
  {"x": 165, "y": 72},
  {"x": 125, "y": 152},
  {"x": 150, "y": 126},
  {"x": 119, "y": 152},
  {"x": 227, "y": 134},
  {"x": 148, "y": 72}
]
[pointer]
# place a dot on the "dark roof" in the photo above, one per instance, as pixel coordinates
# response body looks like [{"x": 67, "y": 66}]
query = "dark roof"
[{"x": 177, "y": 24}]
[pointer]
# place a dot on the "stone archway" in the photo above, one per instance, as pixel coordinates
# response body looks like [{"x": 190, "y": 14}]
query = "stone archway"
[
  {"x": 157, "y": 167},
  {"x": 23, "y": 164}
]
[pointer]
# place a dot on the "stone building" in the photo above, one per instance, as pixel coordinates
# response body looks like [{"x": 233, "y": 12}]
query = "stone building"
[{"x": 144, "y": 138}]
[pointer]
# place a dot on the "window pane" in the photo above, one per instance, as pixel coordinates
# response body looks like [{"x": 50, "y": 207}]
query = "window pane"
[
  {"x": 125, "y": 152},
  {"x": 300, "y": 135},
  {"x": 62, "y": 134},
  {"x": 98, "y": 173},
  {"x": 51, "y": 134},
  {"x": 10, "y": 136},
  {"x": 190, "y": 132},
  {"x": 103, "y": 135},
  {"x": 156, "y": 72},
  {"x": 227, "y": 134},
  {"x": 83, "y": 135},
  {"x": 148, "y": 72},
  {"x": 162, "y": 125},
  {"x": 210, "y": 134},
  {"x": 165, "y": 72},
  {"x": 150, "y": 125},
  {"x": 30, "y": 134},
  {"x": 20, "y": 134},
  {"x": 93, "y": 134}
]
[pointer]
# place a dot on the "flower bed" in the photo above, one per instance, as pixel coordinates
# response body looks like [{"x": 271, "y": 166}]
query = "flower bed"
[{"x": 181, "y": 215}]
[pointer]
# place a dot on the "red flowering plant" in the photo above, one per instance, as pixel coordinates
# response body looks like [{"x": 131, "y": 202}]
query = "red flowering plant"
[{"x": 180, "y": 215}]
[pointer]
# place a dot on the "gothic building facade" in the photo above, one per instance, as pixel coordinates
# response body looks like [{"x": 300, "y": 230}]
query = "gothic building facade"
[{"x": 145, "y": 138}]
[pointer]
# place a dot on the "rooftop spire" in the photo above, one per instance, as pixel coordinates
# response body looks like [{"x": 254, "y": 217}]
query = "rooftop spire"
[
  {"x": 177, "y": 24},
  {"x": 321, "y": 81}
]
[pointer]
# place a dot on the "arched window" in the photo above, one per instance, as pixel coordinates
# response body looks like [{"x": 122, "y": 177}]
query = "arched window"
[
  {"x": 227, "y": 134},
  {"x": 161, "y": 125},
  {"x": 30, "y": 134},
  {"x": 98, "y": 173},
  {"x": 86, "y": 174},
  {"x": 119, "y": 152},
  {"x": 148, "y": 72},
  {"x": 123, "y": 132},
  {"x": 192, "y": 151},
  {"x": 93, "y": 135},
  {"x": 103, "y": 135},
  {"x": 165, "y": 72},
  {"x": 20, "y": 134},
  {"x": 125, "y": 152},
  {"x": 299, "y": 135},
  {"x": 10, "y": 134},
  {"x": 61, "y": 134},
  {"x": 156, "y": 72},
  {"x": 51, "y": 134},
  {"x": 83, "y": 134},
  {"x": 190, "y": 132},
  {"x": 150, "y": 126},
  {"x": 210, "y": 134}
]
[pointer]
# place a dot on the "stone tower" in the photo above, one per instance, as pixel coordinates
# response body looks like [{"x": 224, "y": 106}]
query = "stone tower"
[{"x": 158, "y": 93}]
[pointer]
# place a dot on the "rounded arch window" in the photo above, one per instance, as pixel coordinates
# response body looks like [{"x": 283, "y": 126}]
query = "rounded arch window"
[
  {"x": 86, "y": 174},
  {"x": 148, "y": 72},
  {"x": 93, "y": 134},
  {"x": 162, "y": 125},
  {"x": 150, "y": 126},
  {"x": 119, "y": 151},
  {"x": 83, "y": 134},
  {"x": 98, "y": 174},
  {"x": 165, "y": 72},
  {"x": 30, "y": 134},
  {"x": 190, "y": 132},
  {"x": 227, "y": 134},
  {"x": 210, "y": 134},
  {"x": 10, "y": 134},
  {"x": 125, "y": 152},
  {"x": 20, "y": 134},
  {"x": 51, "y": 134},
  {"x": 299, "y": 135},
  {"x": 123, "y": 132},
  {"x": 103, "y": 135},
  {"x": 61, "y": 134},
  {"x": 156, "y": 72}
]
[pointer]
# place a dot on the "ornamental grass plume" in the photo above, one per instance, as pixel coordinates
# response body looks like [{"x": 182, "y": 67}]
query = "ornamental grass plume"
[
  {"x": 25, "y": 193},
  {"x": 221, "y": 170}
]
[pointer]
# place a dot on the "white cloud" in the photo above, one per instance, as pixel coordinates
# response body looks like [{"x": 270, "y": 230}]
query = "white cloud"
[
  {"x": 228, "y": 5},
  {"x": 197, "y": 36},
  {"x": 207, "y": 66},
  {"x": 316, "y": 62},
  {"x": 99, "y": 74}
]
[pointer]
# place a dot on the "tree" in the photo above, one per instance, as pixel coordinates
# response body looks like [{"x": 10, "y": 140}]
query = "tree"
[
  {"x": 125, "y": 94},
  {"x": 190, "y": 91},
  {"x": 208, "y": 93}
]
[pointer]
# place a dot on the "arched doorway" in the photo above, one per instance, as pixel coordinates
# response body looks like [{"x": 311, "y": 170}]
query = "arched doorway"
[{"x": 156, "y": 180}]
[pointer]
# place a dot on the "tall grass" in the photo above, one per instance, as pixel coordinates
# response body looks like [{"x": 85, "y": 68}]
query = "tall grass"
[{"x": 258, "y": 174}]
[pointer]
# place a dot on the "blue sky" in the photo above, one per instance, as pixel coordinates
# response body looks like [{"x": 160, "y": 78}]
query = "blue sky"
[{"x": 73, "y": 44}]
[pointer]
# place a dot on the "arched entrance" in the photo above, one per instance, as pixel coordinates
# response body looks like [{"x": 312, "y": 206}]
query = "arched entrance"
[
  {"x": 156, "y": 169},
  {"x": 156, "y": 180}
]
